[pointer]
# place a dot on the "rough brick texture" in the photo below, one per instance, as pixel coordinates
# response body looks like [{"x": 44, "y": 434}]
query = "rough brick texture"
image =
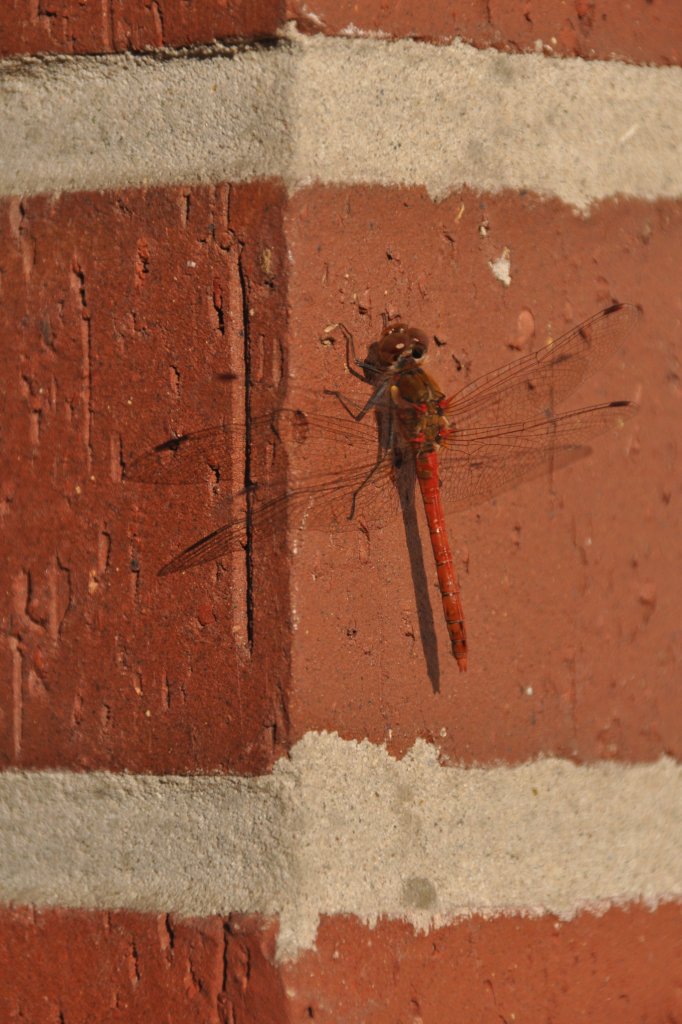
[
  {"x": 122, "y": 967},
  {"x": 103, "y": 26},
  {"x": 644, "y": 32},
  {"x": 625, "y": 966},
  {"x": 569, "y": 584},
  {"x": 112, "y": 303},
  {"x": 638, "y": 31},
  {"x": 131, "y": 316},
  {"x": 129, "y": 968}
]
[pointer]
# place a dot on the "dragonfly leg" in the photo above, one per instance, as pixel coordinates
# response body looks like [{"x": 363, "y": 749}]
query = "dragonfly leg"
[
  {"x": 371, "y": 402},
  {"x": 364, "y": 483},
  {"x": 387, "y": 317},
  {"x": 369, "y": 369},
  {"x": 350, "y": 353}
]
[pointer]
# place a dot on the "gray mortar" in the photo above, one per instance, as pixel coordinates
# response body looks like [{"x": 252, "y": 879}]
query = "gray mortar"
[
  {"x": 343, "y": 111},
  {"x": 343, "y": 828}
]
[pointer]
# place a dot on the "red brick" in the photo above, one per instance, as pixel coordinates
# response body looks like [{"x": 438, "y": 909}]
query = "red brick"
[
  {"x": 123, "y": 311},
  {"x": 102, "y": 26},
  {"x": 570, "y": 586},
  {"x": 625, "y": 966},
  {"x": 637, "y": 31},
  {"x": 121, "y": 967}
]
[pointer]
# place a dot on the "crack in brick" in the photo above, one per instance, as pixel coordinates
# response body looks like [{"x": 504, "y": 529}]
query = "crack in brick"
[
  {"x": 116, "y": 460},
  {"x": 103, "y": 552},
  {"x": 223, "y": 1006},
  {"x": 17, "y": 695},
  {"x": 218, "y": 306},
  {"x": 60, "y": 572},
  {"x": 157, "y": 13},
  {"x": 78, "y": 277},
  {"x": 168, "y": 937},
  {"x": 248, "y": 483},
  {"x": 134, "y": 963}
]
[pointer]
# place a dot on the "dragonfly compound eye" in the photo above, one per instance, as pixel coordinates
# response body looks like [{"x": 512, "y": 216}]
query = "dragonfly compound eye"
[{"x": 418, "y": 344}]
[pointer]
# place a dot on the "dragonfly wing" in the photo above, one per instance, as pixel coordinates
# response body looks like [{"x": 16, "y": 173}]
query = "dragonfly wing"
[
  {"x": 233, "y": 535},
  {"x": 210, "y": 548},
  {"x": 186, "y": 458},
  {"x": 183, "y": 459},
  {"x": 366, "y": 494},
  {"x": 538, "y": 382},
  {"x": 478, "y": 463}
]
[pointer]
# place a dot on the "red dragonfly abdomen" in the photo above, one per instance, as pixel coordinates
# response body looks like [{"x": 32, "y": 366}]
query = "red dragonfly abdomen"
[{"x": 429, "y": 484}]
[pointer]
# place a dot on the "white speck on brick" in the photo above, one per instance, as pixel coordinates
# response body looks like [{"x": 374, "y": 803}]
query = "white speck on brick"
[{"x": 501, "y": 267}]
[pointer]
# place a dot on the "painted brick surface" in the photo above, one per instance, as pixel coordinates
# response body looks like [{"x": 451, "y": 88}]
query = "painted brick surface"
[
  {"x": 124, "y": 314},
  {"x": 636, "y": 31},
  {"x": 124, "y": 967},
  {"x": 99, "y": 26}
]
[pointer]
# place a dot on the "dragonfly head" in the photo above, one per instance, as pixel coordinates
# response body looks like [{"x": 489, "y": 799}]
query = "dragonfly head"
[{"x": 400, "y": 347}]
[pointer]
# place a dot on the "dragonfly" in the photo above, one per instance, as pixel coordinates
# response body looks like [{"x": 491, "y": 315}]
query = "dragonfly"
[{"x": 346, "y": 467}]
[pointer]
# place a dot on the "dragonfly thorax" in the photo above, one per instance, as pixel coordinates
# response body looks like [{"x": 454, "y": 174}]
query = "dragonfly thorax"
[{"x": 416, "y": 398}]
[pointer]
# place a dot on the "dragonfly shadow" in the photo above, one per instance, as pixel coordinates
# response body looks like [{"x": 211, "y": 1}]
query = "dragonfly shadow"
[{"x": 420, "y": 583}]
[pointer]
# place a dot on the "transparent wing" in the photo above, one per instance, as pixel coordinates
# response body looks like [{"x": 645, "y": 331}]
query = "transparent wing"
[
  {"x": 370, "y": 495},
  {"x": 186, "y": 458},
  {"x": 538, "y": 382},
  {"x": 478, "y": 463},
  {"x": 326, "y": 471}
]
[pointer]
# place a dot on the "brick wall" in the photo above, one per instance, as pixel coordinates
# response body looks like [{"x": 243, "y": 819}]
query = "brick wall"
[{"x": 260, "y": 790}]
